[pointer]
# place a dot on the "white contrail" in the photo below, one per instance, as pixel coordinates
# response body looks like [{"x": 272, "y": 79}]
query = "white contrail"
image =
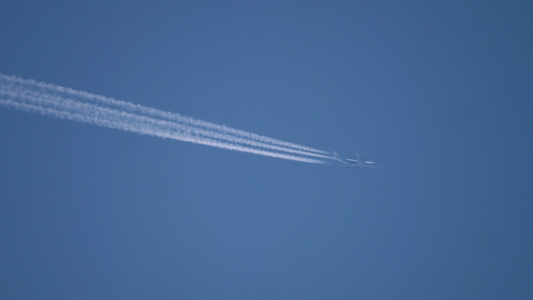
[
  {"x": 53, "y": 98},
  {"x": 60, "y": 102},
  {"x": 138, "y": 109}
]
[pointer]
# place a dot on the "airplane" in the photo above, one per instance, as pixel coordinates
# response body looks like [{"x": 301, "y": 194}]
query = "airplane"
[{"x": 358, "y": 162}]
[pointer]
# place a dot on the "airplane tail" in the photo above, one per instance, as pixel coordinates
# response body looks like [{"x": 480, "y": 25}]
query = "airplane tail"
[{"x": 336, "y": 155}]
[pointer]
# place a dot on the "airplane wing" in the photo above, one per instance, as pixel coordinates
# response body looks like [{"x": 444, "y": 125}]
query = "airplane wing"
[
  {"x": 345, "y": 161},
  {"x": 337, "y": 157}
]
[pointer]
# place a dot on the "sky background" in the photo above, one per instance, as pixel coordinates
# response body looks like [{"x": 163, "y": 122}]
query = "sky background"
[{"x": 439, "y": 94}]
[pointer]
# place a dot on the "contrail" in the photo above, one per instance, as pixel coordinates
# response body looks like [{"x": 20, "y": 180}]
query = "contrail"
[{"x": 60, "y": 102}]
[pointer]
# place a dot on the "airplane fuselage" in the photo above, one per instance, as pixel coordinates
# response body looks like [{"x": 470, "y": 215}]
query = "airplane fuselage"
[
  {"x": 360, "y": 163},
  {"x": 355, "y": 163}
]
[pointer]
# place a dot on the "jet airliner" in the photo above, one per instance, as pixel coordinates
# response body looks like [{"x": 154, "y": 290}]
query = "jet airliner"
[{"x": 358, "y": 162}]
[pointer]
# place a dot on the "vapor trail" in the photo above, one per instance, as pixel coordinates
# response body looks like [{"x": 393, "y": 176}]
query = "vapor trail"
[
  {"x": 48, "y": 99},
  {"x": 141, "y": 110}
]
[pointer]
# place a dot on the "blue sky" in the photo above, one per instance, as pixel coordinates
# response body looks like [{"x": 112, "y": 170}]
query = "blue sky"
[{"x": 439, "y": 94}]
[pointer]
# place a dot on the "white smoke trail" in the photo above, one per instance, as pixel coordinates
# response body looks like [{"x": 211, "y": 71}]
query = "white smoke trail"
[
  {"x": 60, "y": 102},
  {"x": 138, "y": 109}
]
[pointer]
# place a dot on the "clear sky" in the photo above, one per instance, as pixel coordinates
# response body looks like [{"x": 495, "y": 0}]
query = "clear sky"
[{"x": 439, "y": 94}]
